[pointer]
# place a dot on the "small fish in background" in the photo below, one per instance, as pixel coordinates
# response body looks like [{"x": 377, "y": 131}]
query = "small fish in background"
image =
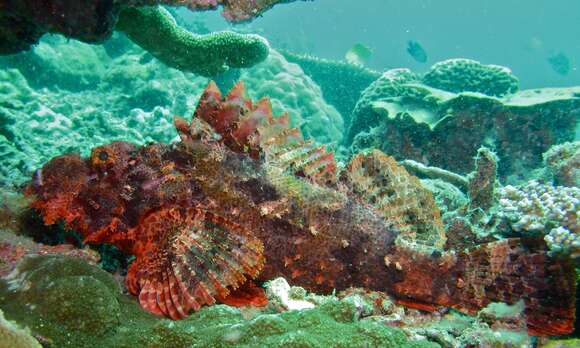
[
  {"x": 359, "y": 54},
  {"x": 560, "y": 63},
  {"x": 416, "y": 51},
  {"x": 534, "y": 44}
]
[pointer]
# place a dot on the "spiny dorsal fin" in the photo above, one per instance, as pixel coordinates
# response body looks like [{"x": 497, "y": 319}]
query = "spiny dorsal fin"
[
  {"x": 202, "y": 257},
  {"x": 379, "y": 181},
  {"x": 251, "y": 128}
]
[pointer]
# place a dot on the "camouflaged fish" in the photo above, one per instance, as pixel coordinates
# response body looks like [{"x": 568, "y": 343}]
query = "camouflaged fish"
[{"x": 244, "y": 197}]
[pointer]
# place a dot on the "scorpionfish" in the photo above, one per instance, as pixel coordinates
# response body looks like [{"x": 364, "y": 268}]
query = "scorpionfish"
[{"x": 244, "y": 197}]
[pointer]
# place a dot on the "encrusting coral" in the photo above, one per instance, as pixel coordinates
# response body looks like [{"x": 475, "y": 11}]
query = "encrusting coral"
[
  {"x": 243, "y": 196},
  {"x": 23, "y": 23}
]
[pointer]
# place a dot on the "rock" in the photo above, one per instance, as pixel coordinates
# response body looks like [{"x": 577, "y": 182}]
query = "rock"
[{"x": 282, "y": 296}]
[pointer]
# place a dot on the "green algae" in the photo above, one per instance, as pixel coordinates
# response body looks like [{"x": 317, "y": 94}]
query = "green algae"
[{"x": 73, "y": 304}]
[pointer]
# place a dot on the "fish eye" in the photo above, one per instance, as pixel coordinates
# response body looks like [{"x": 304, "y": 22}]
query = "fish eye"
[{"x": 103, "y": 155}]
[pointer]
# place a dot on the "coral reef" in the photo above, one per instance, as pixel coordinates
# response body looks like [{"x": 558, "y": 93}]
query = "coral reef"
[
  {"x": 23, "y": 23},
  {"x": 292, "y": 91},
  {"x": 482, "y": 182},
  {"x": 341, "y": 83},
  {"x": 244, "y": 196},
  {"x": 155, "y": 30},
  {"x": 390, "y": 85},
  {"x": 134, "y": 98},
  {"x": 466, "y": 75},
  {"x": 563, "y": 162},
  {"x": 411, "y": 120},
  {"x": 536, "y": 208}
]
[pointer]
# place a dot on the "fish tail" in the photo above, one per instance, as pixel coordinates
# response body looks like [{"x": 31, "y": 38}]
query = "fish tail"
[
  {"x": 506, "y": 271},
  {"x": 514, "y": 269}
]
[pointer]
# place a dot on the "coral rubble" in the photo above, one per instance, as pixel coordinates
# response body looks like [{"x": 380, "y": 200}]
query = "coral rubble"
[{"x": 244, "y": 196}]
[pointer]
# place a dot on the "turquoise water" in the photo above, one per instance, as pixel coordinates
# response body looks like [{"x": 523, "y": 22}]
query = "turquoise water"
[{"x": 390, "y": 174}]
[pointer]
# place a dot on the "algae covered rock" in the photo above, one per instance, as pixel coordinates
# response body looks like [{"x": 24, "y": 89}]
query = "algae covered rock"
[
  {"x": 466, "y": 75},
  {"x": 62, "y": 298}
]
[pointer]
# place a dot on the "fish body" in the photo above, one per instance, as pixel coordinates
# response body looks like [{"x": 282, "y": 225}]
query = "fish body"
[
  {"x": 560, "y": 63},
  {"x": 358, "y": 54},
  {"x": 243, "y": 196},
  {"x": 416, "y": 51}
]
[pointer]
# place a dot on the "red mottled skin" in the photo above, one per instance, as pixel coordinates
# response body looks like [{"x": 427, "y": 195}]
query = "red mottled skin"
[{"x": 243, "y": 196}]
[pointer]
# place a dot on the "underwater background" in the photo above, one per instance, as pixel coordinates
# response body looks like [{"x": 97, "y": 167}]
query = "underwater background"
[{"x": 381, "y": 174}]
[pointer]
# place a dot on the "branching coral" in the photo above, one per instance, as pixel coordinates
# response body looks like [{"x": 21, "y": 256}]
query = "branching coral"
[{"x": 543, "y": 209}]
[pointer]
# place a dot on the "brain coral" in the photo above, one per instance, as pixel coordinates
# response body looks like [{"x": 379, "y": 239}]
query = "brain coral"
[
  {"x": 466, "y": 75},
  {"x": 291, "y": 90}
]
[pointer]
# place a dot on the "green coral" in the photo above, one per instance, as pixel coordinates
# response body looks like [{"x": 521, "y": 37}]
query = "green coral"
[
  {"x": 63, "y": 298},
  {"x": 155, "y": 30},
  {"x": 569, "y": 343},
  {"x": 466, "y": 75}
]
